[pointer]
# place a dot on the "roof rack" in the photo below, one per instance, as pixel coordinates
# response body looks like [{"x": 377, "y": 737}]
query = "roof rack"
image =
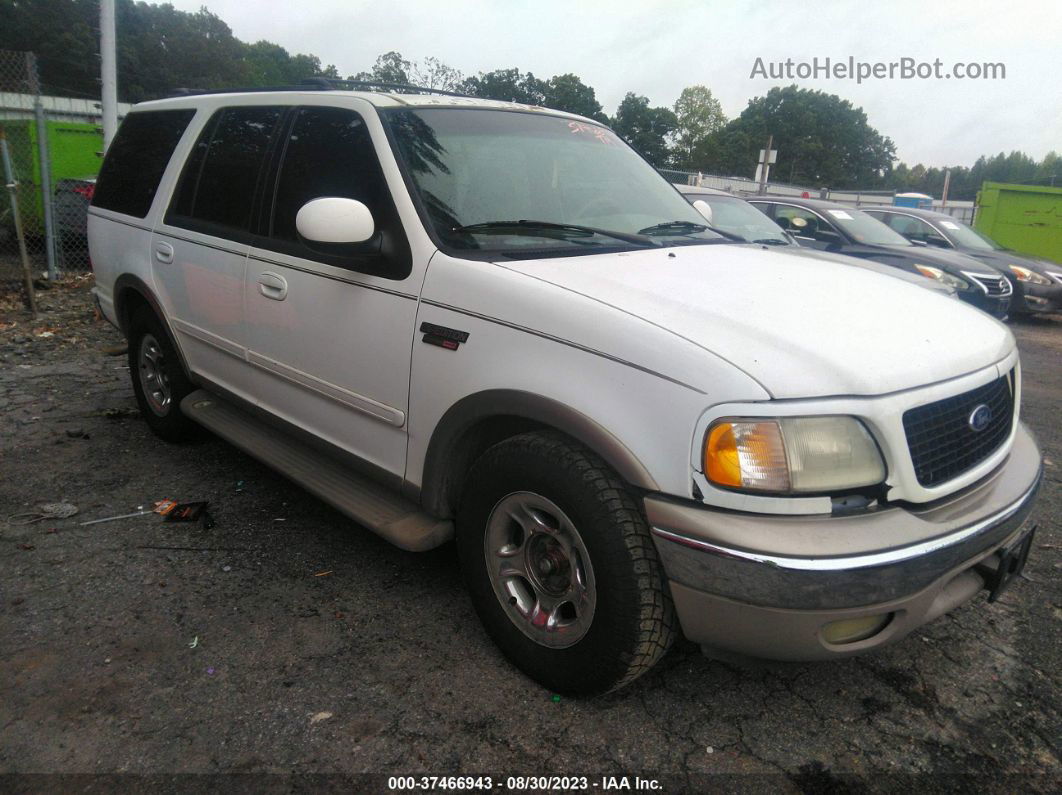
[
  {"x": 335, "y": 82},
  {"x": 323, "y": 84}
]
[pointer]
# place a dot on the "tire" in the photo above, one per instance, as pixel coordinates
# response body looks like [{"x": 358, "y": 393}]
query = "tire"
[
  {"x": 541, "y": 514},
  {"x": 159, "y": 381}
]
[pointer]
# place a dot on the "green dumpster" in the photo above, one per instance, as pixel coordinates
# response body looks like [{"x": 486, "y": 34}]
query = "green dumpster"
[
  {"x": 1026, "y": 218},
  {"x": 74, "y": 149}
]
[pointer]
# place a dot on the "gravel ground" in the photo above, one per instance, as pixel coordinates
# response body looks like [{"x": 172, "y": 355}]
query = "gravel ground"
[{"x": 286, "y": 640}]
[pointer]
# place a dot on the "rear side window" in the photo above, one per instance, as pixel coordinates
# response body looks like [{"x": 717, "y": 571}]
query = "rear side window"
[
  {"x": 220, "y": 180},
  {"x": 136, "y": 160}
]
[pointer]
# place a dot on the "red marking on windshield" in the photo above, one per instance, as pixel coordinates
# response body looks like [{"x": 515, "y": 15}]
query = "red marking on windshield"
[{"x": 600, "y": 133}]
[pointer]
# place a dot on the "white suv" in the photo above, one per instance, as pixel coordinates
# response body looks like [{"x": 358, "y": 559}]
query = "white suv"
[{"x": 456, "y": 317}]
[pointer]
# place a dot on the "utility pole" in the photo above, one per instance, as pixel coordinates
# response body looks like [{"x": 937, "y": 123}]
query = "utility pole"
[
  {"x": 947, "y": 183},
  {"x": 108, "y": 73},
  {"x": 763, "y": 168}
]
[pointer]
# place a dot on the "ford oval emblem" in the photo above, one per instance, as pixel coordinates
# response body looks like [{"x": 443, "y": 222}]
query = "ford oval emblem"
[{"x": 979, "y": 418}]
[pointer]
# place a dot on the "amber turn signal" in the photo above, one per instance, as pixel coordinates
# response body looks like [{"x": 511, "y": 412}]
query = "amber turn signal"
[
  {"x": 746, "y": 454},
  {"x": 721, "y": 463}
]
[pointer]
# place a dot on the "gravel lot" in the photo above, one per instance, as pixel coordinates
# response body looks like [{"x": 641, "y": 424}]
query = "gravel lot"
[{"x": 286, "y": 640}]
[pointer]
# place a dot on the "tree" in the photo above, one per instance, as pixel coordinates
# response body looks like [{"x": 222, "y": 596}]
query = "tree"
[
  {"x": 390, "y": 67},
  {"x": 822, "y": 140},
  {"x": 965, "y": 181},
  {"x": 699, "y": 116},
  {"x": 507, "y": 85},
  {"x": 161, "y": 48},
  {"x": 62, "y": 34},
  {"x": 646, "y": 129},
  {"x": 561, "y": 92},
  {"x": 1049, "y": 172},
  {"x": 568, "y": 93},
  {"x": 270, "y": 64},
  {"x": 433, "y": 73}
]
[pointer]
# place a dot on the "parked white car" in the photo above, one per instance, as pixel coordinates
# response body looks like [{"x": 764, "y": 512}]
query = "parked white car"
[{"x": 430, "y": 312}]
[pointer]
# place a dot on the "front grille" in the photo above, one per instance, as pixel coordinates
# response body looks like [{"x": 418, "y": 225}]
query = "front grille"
[
  {"x": 939, "y": 436},
  {"x": 995, "y": 285}
]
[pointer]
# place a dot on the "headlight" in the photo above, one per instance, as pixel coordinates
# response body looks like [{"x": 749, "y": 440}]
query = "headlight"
[
  {"x": 1026, "y": 275},
  {"x": 791, "y": 454},
  {"x": 942, "y": 277}
]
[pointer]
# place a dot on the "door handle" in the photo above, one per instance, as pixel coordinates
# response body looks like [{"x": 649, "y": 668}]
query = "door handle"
[
  {"x": 272, "y": 286},
  {"x": 164, "y": 252}
]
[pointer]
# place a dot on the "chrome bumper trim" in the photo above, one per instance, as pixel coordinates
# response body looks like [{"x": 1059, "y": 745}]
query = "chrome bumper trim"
[
  {"x": 856, "y": 561},
  {"x": 828, "y": 562}
]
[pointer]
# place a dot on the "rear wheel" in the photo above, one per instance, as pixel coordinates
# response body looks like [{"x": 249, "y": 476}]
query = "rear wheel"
[
  {"x": 159, "y": 381},
  {"x": 561, "y": 567}
]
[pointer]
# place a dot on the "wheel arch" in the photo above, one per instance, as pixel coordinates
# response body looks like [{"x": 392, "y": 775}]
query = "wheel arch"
[
  {"x": 478, "y": 421},
  {"x": 131, "y": 293}
]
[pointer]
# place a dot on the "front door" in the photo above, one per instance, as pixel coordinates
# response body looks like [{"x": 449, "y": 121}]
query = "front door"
[
  {"x": 330, "y": 327},
  {"x": 809, "y": 228}
]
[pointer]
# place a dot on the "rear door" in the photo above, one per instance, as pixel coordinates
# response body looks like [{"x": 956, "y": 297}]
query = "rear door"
[
  {"x": 199, "y": 249},
  {"x": 330, "y": 327}
]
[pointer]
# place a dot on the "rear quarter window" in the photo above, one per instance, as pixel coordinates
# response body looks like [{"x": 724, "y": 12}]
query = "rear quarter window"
[{"x": 137, "y": 158}]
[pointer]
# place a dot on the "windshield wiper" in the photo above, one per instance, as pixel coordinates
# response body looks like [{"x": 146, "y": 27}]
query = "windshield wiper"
[
  {"x": 771, "y": 241},
  {"x": 673, "y": 226},
  {"x": 532, "y": 227},
  {"x": 688, "y": 227}
]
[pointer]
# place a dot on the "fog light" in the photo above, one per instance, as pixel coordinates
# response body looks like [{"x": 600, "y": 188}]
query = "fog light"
[{"x": 850, "y": 630}]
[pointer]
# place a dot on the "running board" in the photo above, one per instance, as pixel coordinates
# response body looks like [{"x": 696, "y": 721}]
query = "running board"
[{"x": 388, "y": 515}]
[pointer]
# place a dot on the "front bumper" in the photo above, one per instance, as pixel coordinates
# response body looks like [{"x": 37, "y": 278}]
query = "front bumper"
[
  {"x": 1038, "y": 298},
  {"x": 998, "y": 306},
  {"x": 767, "y": 585}
]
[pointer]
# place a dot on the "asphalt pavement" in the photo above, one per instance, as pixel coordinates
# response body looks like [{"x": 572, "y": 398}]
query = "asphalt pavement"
[{"x": 286, "y": 641}]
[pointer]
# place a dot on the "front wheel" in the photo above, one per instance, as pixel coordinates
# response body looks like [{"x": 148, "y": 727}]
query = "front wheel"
[{"x": 561, "y": 567}]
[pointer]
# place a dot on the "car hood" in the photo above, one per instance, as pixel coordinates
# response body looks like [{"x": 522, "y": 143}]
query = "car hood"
[
  {"x": 870, "y": 265},
  {"x": 802, "y": 327},
  {"x": 948, "y": 261},
  {"x": 1000, "y": 260}
]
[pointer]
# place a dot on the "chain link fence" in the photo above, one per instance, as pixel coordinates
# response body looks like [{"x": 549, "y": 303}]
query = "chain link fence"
[
  {"x": 54, "y": 147},
  {"x": 22, "y": 195}
]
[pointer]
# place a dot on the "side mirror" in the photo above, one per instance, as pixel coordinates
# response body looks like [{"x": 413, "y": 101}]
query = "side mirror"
[
  {"x": 335, "y": 220},
  {"x": 704, "y": 208}
]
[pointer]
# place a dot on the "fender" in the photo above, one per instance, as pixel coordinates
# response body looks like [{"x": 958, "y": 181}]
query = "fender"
[
  {"x": 128, "y": 282},
  {"x": 443, "y": 464}
]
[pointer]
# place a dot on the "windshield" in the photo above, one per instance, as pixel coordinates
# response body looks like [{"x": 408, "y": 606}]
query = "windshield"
[
  {"x": 515, "y": 182},
  {"x": 965, "y": 237},
  {"x": 866, "y": 229},
  {"x": 738, "y": 217}
]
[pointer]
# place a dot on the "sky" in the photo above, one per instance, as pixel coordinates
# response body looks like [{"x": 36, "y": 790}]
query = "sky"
[{"x": 657, "y": 48}]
